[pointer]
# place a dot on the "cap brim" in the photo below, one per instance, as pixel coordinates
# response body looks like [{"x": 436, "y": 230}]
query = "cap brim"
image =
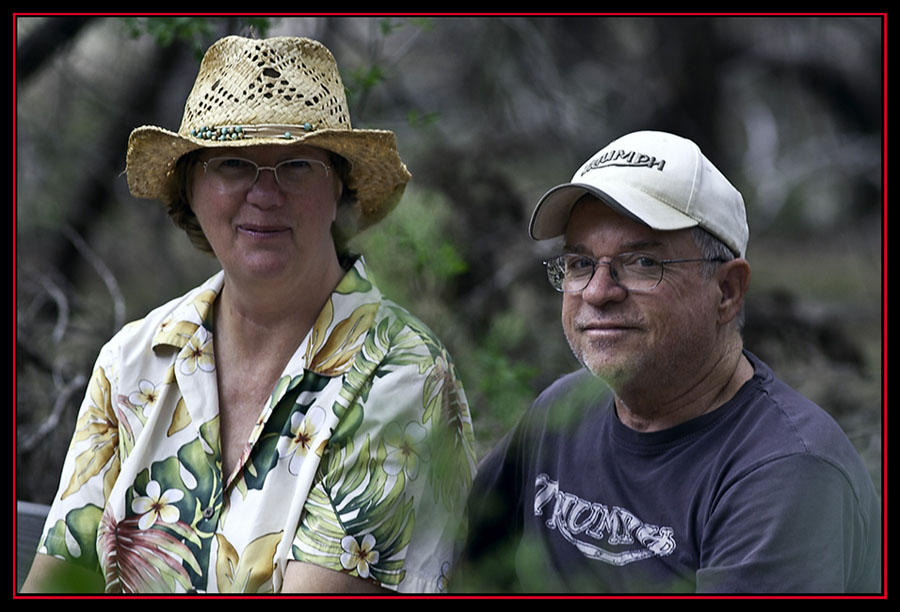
[{"x": 551, "y": 214}]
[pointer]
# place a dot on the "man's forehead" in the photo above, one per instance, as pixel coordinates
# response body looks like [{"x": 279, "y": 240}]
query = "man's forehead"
[
  {"x": 581, "y": 248},
  {"x": 592, "y": 219}
]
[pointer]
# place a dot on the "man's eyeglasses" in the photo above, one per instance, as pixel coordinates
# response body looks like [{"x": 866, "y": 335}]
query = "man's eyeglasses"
[
  {"x": 230, "y": 174},
  {"x": 570, "y": 273}
]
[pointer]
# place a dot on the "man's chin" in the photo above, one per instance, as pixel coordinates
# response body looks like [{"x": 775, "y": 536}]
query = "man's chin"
[{"x": 606, "y": 367}]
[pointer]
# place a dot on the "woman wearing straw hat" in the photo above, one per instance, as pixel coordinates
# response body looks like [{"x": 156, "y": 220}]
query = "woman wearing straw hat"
[{"x": 282, "y": 427}]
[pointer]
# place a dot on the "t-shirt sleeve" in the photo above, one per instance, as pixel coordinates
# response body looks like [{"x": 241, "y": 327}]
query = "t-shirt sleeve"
[
  {"x": 494, "y": 510},
  {"x": 387, "y": 504},
  {"x": 774, "y": 531}
]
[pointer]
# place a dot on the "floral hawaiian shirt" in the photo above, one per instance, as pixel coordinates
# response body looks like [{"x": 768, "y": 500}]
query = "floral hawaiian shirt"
[{"x": 360, "y": 461}]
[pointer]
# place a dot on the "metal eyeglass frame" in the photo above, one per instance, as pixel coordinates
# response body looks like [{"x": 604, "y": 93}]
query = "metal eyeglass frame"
[
  {"x": 613, "y": 273},
  {"x": 274, "y": 168}
]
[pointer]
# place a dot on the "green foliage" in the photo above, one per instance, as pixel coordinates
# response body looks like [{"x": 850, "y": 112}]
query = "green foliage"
[
  {"x": 389, "y": 26},
  {"x": 194, "y": 30},
  {"x": 360, "y": 82},
  {"x": 419, "y": 120},
  {"x": 499, "y": 384},
  {"x": 416, "y": 262},
  {"x": 167, "y": 29},
  {"x": 503, "y": 380},
  {"x": 410, "y": 251}
]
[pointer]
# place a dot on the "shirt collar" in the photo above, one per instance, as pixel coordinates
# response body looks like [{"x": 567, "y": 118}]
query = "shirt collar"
[
  {"x": 194, "y": 311},
  {"x": 330, "y": 346}
]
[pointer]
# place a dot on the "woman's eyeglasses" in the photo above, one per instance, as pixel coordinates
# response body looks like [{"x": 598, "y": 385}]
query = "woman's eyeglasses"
[{"x": 237, "y": 174}]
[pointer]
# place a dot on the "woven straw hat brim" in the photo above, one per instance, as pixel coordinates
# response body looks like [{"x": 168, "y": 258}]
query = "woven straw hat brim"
[{"x": 377, "y": 174}]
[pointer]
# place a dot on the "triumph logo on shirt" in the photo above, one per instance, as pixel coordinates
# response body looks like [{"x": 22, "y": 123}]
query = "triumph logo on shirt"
[{"x": 587, "y": 524}]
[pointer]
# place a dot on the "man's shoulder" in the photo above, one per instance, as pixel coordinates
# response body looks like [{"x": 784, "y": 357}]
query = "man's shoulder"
[
  {"x": 567, "y": 402},
  {"x": 785, "y": 410},
  {"x": 779, "y": 425},
  {"x": 564, "y": 408}
]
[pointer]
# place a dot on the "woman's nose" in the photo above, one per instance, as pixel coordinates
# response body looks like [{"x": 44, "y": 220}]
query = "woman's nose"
[{"x": 265, "y": 191}]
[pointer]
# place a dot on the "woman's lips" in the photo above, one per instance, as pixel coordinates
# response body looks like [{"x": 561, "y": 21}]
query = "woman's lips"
[{"x": 262, "y": 231}]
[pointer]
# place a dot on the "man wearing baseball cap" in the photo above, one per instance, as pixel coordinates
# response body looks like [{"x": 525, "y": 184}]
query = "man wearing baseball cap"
[{"x": 674, "y": 461}]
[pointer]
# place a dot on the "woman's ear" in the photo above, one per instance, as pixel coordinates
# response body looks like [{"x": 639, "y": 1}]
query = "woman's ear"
[
  {"x": 185, "y": 173},
  {"x": 734, "y": 280},
  {"x": 338, "y": 193}
]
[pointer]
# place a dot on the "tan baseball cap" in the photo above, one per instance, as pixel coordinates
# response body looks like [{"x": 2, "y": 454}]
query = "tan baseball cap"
[{"x": 656, "y": 178}]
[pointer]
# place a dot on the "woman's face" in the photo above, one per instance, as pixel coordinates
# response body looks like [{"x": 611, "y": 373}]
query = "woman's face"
[{"x": 265, "y": 231}]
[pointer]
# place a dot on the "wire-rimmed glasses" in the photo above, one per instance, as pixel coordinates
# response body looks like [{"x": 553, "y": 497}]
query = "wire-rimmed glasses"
[
  {"x": 230, "y": 174},
  {"x": 571, "y": 273}
]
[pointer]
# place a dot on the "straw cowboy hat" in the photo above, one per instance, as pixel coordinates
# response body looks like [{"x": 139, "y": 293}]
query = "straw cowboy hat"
[{"x": 279, "y": 91}]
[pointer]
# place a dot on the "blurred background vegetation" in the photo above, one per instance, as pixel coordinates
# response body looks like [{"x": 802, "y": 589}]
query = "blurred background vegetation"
[{"x": 489, "y": 114}]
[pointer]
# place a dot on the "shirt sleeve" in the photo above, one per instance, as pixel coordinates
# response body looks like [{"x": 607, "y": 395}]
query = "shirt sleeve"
[
  {"x": 792, "y": 525},
  {"x": 387, "y": 503},
  {"x": 90, "y": 469}
]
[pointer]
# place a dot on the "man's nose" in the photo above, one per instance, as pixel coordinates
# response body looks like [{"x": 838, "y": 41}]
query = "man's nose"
[{"x": 603, "y": 286}]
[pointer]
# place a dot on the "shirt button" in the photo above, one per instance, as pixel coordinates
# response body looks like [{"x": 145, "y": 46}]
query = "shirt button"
[{"x": 208, "y": 512}]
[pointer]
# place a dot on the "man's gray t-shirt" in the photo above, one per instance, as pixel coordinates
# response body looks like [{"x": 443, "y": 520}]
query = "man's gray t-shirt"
[{"x": 763, "y": 495}]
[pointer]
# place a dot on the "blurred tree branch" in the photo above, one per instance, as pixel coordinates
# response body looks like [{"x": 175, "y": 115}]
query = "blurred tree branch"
[{"x": 47, "y": 40}]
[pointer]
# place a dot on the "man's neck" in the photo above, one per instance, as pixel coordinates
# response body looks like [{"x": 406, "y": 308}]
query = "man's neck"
[{"x": 663, "y": 408}]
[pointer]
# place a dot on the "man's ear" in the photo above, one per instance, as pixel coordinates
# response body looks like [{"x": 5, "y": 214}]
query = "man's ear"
[{"x": 734, "y": 279}]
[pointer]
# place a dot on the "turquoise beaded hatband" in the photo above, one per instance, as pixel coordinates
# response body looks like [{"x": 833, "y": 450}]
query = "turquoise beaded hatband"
[{"x": 239, "y": 132}]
